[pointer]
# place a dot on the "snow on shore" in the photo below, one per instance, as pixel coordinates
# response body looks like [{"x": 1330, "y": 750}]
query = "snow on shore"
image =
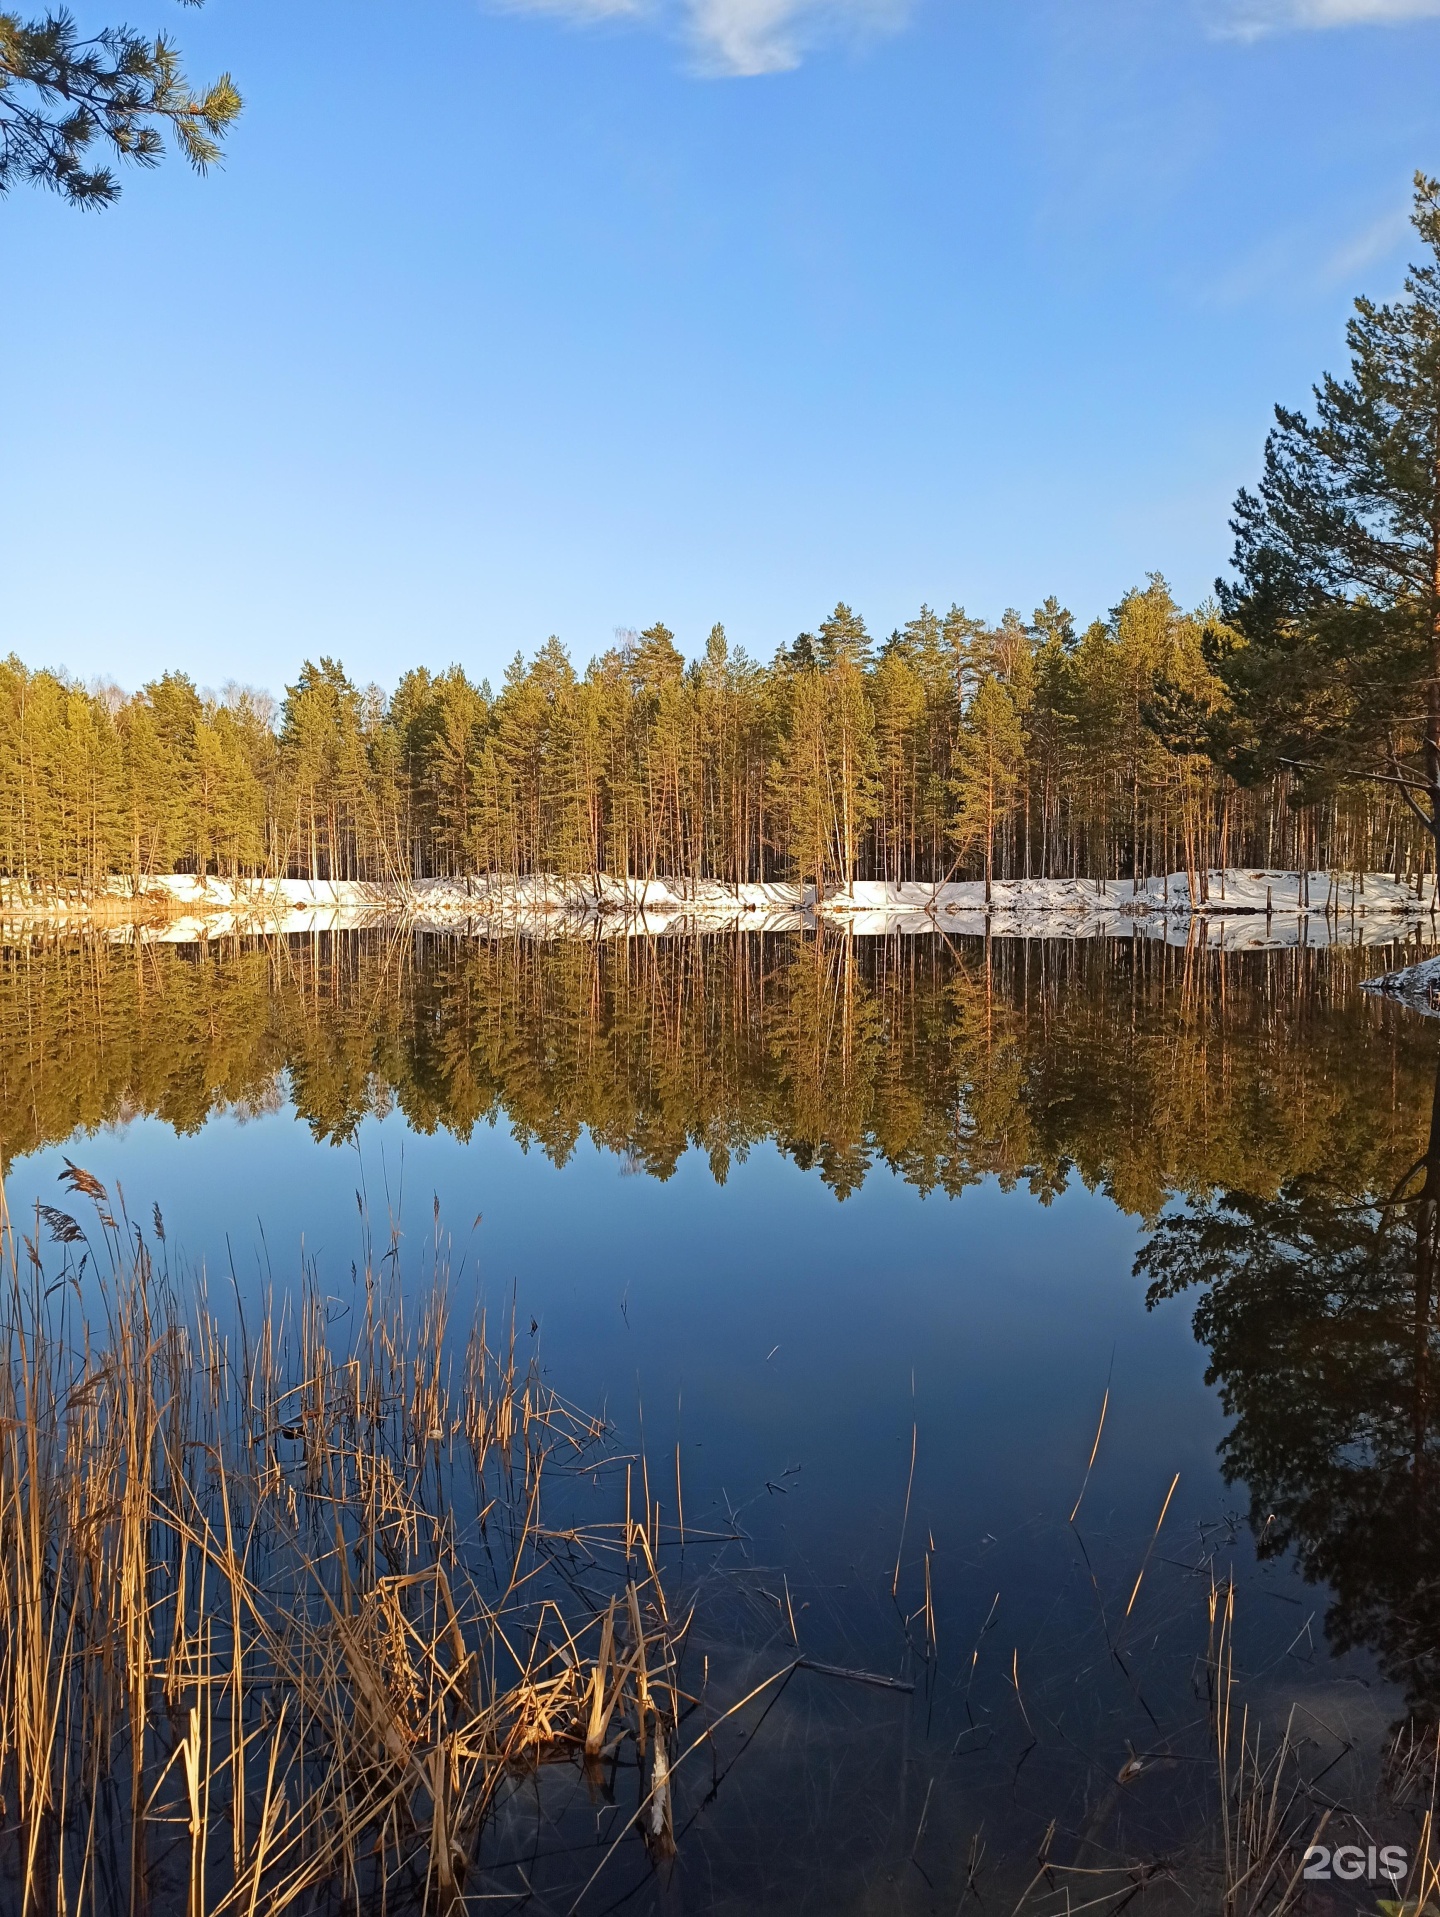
[
  {"x": 1234, "y": 892},
  {"x": 1235, "y": 908}
]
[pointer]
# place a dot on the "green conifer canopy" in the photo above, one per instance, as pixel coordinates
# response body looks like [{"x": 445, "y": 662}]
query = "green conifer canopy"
[
  {"x": 1337, "y": 600},
  {"x": 63, "y": 93}
]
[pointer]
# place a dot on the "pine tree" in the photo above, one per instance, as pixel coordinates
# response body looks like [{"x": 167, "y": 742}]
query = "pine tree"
[
  {"x": 456, "y": 746},
  {"x": 798, "y": 774},
  {"x": 898, "y": 694},
  {"x": 1052, "y": 724},
  {"x": 990, "y": 755},
  {"x": 1338, "y": 562}
]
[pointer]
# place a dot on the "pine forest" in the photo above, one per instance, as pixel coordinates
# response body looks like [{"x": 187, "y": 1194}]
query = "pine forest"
[{"x": 952, "y": 748}]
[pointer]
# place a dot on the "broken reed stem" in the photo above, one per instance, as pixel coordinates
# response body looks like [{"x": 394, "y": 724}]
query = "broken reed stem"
[
  {"x": 1145, "y": 1564},
  {"x": 257, "y": 1646},
  {"x": 905, "y": 1515},
  {"x": 1094, "y": 1453}
]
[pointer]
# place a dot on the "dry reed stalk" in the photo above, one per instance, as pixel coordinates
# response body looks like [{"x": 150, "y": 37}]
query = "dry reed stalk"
[
  {"x": 1266, "y": 1820},
  {"x": 279, "y": 1617}
]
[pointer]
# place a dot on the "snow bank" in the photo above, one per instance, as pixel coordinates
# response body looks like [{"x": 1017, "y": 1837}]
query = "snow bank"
[
  {"x": 1236, "y": 908},
  {"x": 1318, "y": 895}
]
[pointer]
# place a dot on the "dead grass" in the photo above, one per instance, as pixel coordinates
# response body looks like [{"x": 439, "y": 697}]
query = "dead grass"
[{"x": 280, "y": 1618}]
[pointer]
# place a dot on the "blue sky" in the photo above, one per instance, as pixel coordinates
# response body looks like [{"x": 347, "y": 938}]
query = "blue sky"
[{"x": 568, "y": 315}]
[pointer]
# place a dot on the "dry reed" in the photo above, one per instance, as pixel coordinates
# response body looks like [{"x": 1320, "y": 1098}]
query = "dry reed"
[{"x": 280, "y": 1620}]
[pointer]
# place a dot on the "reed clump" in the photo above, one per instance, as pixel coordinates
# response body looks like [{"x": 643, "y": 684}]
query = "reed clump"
[{"x": 281, "y": 1622}]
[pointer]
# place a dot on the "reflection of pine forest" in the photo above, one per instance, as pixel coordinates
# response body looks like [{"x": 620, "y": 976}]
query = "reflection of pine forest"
[
  {"x": 1147, "y": 1069},
  {"x": 1295, "y": 1116},
  {"x": 1318, "y": 1308}
]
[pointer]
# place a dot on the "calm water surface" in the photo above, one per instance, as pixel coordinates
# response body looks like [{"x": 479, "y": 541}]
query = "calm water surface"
[{"x": 804, "y": 1210}]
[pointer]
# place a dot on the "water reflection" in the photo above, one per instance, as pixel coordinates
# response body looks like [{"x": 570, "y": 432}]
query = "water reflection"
[
  {"x": 1319, "y": 1316},
  {"x": 1274, "y": 1129},
  {"x": 1149, "y": 1070}
]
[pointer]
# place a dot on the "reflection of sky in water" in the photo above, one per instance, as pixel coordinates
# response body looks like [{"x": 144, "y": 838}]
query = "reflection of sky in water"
[{"x": 763, "y": 1322}]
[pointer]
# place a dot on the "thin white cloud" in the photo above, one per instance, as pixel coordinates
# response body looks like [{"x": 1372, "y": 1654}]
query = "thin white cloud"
[
  {"x": 582, "y": 12},
  {"x": 1302, "y": 258},
  {"x": 1378, "y": 241},
  {"x": 739, "y": 38},
  {"x": 1249, "y": 19},
  {"x": 747, "y": 37}
]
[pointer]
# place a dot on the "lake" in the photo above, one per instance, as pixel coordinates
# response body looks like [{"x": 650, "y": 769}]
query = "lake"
[{"x": 862, "y": 1236}]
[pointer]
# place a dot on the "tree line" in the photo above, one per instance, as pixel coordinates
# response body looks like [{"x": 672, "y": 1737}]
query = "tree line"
[{"x": 953, "y": 747}]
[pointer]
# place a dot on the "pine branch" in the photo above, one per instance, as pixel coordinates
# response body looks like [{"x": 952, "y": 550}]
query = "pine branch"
[{"x": 61, "y": 95}]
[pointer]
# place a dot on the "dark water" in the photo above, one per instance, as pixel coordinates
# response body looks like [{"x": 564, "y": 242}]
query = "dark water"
[{"x": 801, "y": 1210}]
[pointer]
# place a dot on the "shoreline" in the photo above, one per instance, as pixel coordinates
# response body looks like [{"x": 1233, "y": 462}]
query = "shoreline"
[{"x": 1238, "y": 908}]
